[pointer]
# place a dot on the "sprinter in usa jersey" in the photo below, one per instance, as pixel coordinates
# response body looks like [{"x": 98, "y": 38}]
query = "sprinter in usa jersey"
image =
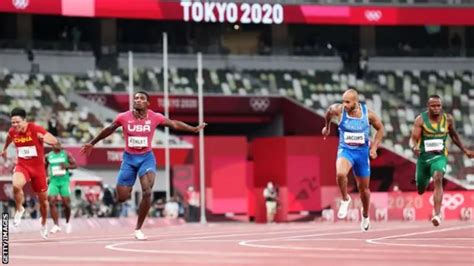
[
  {"x": 138, "y": 127},
  {"x": 355, "y": 148}
]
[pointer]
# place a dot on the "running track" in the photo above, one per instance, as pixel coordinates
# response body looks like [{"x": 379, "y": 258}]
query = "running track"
[{"x": 341, "y": 243}]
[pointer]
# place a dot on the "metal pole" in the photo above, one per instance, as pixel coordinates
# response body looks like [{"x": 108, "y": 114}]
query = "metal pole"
[
  {"x": 202, "y": 177},
  {"x": 166, "y": 107},
  {"x": 130, "y": 80}
]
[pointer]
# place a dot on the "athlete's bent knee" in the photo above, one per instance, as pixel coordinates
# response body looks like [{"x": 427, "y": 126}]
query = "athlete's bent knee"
[
  {"x": 341, "y": 176},
  {"x": 146, "y": 194},
  {"x": 44, "y": 203},
  {"x": 123, "y": 198},
  {"x": 17, "y": 188}
]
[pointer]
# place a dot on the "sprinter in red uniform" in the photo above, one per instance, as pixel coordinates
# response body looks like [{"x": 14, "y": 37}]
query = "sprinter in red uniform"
[{"x": 28, "y": 139}]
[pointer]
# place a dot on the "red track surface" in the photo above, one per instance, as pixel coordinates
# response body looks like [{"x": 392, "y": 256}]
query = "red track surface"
[{"x": 342, "y": 243}]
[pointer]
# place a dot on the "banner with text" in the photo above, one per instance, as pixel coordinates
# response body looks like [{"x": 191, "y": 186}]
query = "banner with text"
[{"x": 245, "y": 13}]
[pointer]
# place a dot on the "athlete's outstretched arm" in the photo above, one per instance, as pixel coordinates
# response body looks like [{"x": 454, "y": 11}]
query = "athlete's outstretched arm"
[
  {"x": 105, "y": 132},
  {"x": 48, "y": 138},
  {"x": 181, "y": 126},
  {"x": 416, "y": 135},
  {"x": 376, "y": 123},
  {"x": 456, "y": 139},
  {"x": 333, "y": 111},
  {"x": 8, "y": 141}
]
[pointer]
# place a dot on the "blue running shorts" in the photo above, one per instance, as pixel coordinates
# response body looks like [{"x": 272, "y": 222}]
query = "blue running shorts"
[
  {"x": 133, "y": 165},
  {"x": 359, "y": 159}
]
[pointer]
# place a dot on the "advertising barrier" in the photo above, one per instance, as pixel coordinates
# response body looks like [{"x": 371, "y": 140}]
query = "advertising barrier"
[
  {"x": 409, "y": 206},
  {"x": 245, "y": 13}
]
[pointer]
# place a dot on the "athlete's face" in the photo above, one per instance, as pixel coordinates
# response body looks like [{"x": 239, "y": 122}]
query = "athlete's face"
[
  {"x": 349, "y": 104},
  {"x": 57, "y": 147},
  {"x": 434, "y": 106},
  {"x": 140, "y": 101},
  {"x": 18, "y": 123}
]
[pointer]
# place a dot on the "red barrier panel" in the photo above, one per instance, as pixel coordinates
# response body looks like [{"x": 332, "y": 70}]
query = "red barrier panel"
[
  {"x": 226, "y": 173},
  {"x": 411, "y": 206},
  {"x": 293, "y": 165}
]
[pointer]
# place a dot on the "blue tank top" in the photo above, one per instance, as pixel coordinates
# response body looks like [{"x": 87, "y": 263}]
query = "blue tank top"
[{"x": 354, "y": 132}]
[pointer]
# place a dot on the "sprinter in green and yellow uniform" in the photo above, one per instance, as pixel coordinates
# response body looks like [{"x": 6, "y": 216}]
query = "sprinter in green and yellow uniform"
[
  {"x": 428, "y": 141},
  {"x": 58, "y": 164}
]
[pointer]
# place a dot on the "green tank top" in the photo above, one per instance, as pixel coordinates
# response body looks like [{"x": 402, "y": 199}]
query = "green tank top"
[
  {"x": 55, "y": 160},
  {"x": 434, "y": 135}
]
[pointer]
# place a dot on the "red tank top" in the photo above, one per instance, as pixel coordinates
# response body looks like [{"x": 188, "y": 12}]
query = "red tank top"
[{"x": 29, "y": 148}]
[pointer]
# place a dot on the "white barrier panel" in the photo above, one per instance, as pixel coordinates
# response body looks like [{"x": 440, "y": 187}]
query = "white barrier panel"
[
  {"x": 466, "y": 214},
  {"x": 381, "y": 214},
  {"x": 409, "y": 214},
  {"x": 353, "y": 215},
  {"x": 328, "y": 215}
]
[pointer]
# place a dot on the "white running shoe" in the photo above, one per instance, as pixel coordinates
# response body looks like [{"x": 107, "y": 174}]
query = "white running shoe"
[
  {"x": 436, "y": 220},
  {"x": 139, "y": 235},
  {"x": 17, "y": 217},
  {"x": 365, "y": 224},
  {"x": 68, "y": 228},
  {"x": 342, "y": 213},
  {"x": 55, "y": 229},
  {"x": 44, "y": 232}
]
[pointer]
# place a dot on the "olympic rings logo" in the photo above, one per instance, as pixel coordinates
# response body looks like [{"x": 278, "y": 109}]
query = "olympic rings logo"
[
  {"x": 99, "y": 99},
  {"x": 20, "y": 4},
  {"x": 450, "y": 201},
  {"x": 373, "y": 15},
  {"x": 259, "y": 104}
]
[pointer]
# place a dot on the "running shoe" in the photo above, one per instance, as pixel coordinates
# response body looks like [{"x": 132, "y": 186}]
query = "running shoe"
[
  {"x": 139, "y": 235},
  {"x": 342, "y": 213},
  {"x": 68, "y": 228},
  {"x": 17, "y": 217},
  {"x": 365, "y": 224},
  {"x": 436, "y": 220},
  {"x": 44, "y": 232},
  {"x": 55, "y": 229}
]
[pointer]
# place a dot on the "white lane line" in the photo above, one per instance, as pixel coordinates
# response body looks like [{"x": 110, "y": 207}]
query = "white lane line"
[
  {"x": 253, "y": 233},
  {"x": 185, "y": 236},
  {"x": 437, "y": 239},
  {"x": 86, "y": 239},
  {"x": 221, "y": 254},
  {"x": 379, "y": 240},
  {"x": 84, "y": 258},
  {"x": 253, "y": 243}
]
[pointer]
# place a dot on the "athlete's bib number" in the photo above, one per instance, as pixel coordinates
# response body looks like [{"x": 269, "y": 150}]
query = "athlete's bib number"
[
  {"x": 352, "y": 138},
  {"x": 434, "y": 145},
  {"x": 57, "y": 170},
  {"x": 137, "y": 142},
  {"x": 27, "y": 152}
]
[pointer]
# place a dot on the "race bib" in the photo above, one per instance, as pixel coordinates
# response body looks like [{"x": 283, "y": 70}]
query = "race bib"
[
  {"x": 352, "y": 138},
  {"x": 57, "y": 170},
  {"x": 137, "y": 142},
  {"x": 434, "y": 145},
  {"x": 27, "y": 152}
]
